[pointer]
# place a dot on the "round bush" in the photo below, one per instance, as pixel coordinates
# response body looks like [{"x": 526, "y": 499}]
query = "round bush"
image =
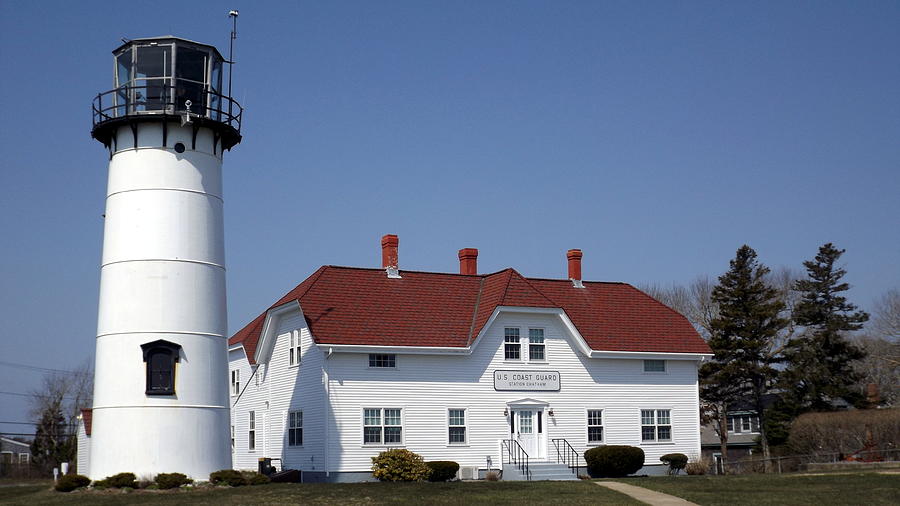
[
  {"x": 228, "y": 477},
  {"x": 613, "y": 461},
  {"x": 442, "y": 470},
  {"x": 253, "y": 478},
  {"x": 172, "y": 480},
  {"x": 399, "y": 465},
  {"x": 121, "y": 480},
  {"x": 70, "y": 482},
  {"x": 675, "y": 461}
]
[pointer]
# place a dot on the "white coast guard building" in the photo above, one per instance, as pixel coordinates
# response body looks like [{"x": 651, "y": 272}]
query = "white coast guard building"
[{"x": 474, "y": 368}]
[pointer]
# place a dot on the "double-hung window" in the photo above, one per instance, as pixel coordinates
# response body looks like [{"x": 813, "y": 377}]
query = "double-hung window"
[
  {"x": 536, "y": 345},
  {"x": 456, "y": 426},
  {"x": 595, "y": 426},
  {"x": 656, "y": 425},
  {"x": 235, "y": 382},
  {"x": 251, "y": 433},
  {"x": 295, "y": 428},
  {"x": 294, "y": 352},
  {"x": 382, "y": 426},
  {"x": 512, "y": 349},
  {"x": 380, "y": 360}
]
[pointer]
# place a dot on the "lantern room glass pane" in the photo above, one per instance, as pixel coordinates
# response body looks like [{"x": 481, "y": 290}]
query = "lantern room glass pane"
[
  {"x": 123, "y": 68},
  {"x": 191, "y": 64},
  {"x": 153, "y": 61}
]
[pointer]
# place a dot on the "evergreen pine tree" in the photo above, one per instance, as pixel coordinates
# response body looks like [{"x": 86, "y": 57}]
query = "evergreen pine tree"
[
  {"x": 745, "y": 332},
  {"x": 820, "y": 360},
  {"x": 52, "y": 444}
]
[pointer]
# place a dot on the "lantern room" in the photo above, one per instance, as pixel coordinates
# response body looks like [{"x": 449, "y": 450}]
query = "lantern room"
[{"x": 167, "y": 76}]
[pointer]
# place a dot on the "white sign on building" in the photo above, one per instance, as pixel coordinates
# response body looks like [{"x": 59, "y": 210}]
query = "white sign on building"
[{"x": 547, "y": 381}]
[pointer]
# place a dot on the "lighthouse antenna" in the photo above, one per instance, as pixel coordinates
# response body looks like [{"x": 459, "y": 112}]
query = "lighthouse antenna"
[{"x": 233, "y": 14}]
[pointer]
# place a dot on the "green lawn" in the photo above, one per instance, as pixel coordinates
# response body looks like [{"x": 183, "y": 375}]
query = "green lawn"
[
  {"x": 786, "y": 489},
  {"x": 583, "y": 492}
]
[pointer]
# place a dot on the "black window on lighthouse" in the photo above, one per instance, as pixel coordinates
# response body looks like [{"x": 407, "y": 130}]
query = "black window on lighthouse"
[{"x": 160, "y": 358}]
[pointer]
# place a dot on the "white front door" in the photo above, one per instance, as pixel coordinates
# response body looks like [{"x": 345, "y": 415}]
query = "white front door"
[{"x": 530, "y": 432}]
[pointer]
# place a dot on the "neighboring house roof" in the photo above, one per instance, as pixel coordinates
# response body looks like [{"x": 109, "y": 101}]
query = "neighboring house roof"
[
  {"x": 709, "y": 437},
  {"x": 358, "y": 306},
  {"x": 87, "y": 416},
  {"x": 25, "y": 446}
]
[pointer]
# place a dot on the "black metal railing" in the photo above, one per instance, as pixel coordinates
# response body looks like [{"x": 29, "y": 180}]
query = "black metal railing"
[
  {"x": 566, "y": 454},
  {"x": 159, "y": 98},
  {"x": 517, "y": 456}
]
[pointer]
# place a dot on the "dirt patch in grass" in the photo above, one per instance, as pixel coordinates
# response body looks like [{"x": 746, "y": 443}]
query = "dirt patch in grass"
[{"x": 861, "y": 488}]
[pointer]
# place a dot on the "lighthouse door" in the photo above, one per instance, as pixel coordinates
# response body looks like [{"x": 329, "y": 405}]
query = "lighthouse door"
[{"x": 530, "y": 432}]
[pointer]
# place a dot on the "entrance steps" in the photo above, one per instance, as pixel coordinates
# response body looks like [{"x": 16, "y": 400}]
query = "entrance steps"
[{"x": 540, "y": 471}]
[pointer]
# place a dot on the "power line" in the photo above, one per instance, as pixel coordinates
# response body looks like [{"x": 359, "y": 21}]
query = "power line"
[
  {"x": 35, "y": 368},
  {"x": 36, "y": 395}
]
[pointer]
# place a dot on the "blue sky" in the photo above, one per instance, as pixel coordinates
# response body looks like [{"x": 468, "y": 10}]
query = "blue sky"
[{"x": 656, "y": 136}]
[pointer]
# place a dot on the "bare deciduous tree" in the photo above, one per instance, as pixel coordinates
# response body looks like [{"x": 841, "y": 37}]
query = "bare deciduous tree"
[{"x": 55, "y": 408}]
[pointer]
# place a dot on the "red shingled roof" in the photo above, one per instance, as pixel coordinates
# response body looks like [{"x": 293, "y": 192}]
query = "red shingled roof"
[{"x": 355, "y": 306}]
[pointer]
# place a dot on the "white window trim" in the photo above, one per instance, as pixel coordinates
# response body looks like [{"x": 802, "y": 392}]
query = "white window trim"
[
  {"x": 465, "y": 411},
  {"x": 289, "y": 428},
  {"x": 376, "y": 368},
  {"x": 382, "y": 444},
  {"x": 27, "y": 458},
  {"x": 294, "y": 346},
  {"x": 671, "y": 425},
  {"x": 521, "y": 358},
  {"x": 587, "y": 427},
  {"x": 544, "y": 343},
  {"x": 665, "y": 366},
  {"x": 251, "y": 429},
  {"x": 235, "y": 382}
]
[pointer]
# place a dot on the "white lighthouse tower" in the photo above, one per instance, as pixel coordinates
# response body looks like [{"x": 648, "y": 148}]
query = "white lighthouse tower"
[{"x": 160, "y": 385}]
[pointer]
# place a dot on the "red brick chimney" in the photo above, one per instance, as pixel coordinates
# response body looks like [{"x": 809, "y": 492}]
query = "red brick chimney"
[
  {"x": 389, "y": 244},
  {"x": 468, "y": 261},
  {"x": 574, "y": 256}
]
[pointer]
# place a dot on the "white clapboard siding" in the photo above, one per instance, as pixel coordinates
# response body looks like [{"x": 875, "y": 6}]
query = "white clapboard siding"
[{"x": 426, "y": 386}]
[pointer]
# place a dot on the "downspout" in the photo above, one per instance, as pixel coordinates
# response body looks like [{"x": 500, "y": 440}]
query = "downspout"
[{"x": 327, "y": 393}]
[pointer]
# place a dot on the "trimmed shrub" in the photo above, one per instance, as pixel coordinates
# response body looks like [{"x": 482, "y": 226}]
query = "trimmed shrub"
[
  {"x": 442, "y": 470},
  {"x": 172, "y": 480},
  {"x": 675, "y": 461},
  {"x": 399, "y": 465},
  {"x": 254, "y": 478},
  {"x": 70, "y": 482},
  {"x": 121, "y": 480},
  {"x": 613, "y": 461},
  {"x": 492, "y": 476},
  {"x": 846, "y": 432},
  {"x": 228, "y": 477}
]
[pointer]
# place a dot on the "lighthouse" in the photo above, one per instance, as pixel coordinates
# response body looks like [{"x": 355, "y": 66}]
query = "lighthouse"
[{"x": 160, "y": 384}]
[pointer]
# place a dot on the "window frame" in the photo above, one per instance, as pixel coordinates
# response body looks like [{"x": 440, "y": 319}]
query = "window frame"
[
  {"x": 507, "y": 343},
  {"x": 235, "y": 382},
  {"x": 251, "y": 432},
  {"x": 542, "y": 344},
  {"x": 464, "y": 426},
  {"x": 665, "y": 366},
  {"x": 172, "y": 355},
  {"x": 26, "y": 460},
  {"x": 387, "y": 357},
  {"x": 588, "y": 426},
  {"x": 294, "y": 358},
  {"x": 383, "y": 425},
  {"x": 295, "y": 428},
  {"x": 655, "y": 423}
]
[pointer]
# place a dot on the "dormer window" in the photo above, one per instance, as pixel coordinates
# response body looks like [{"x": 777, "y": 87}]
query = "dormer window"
[{"x": 160, "y": 357}]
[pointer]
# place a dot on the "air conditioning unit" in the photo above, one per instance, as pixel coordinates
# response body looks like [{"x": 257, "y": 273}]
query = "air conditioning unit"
[{"x": 467, "y": 473}]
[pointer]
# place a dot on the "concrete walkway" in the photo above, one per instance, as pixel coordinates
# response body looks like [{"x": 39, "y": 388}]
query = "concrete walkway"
[{"x": 645, "y": 495}]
